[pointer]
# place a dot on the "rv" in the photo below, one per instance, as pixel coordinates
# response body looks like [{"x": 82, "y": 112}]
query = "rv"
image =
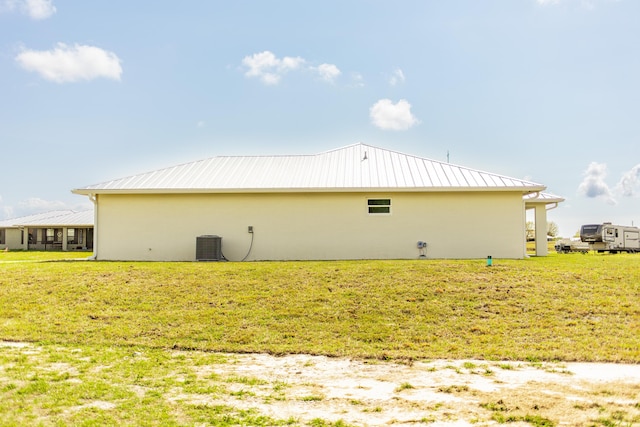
[{"x": 612, "y": 238}]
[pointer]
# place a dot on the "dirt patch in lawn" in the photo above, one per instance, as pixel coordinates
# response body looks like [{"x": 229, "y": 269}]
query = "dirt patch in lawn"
[
  {"x": 61, "y": 384},
  {"x": 438, "y": 393}
]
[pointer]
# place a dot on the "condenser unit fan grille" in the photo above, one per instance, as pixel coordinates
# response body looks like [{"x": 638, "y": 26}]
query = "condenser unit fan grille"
[{"x": 209, "y": 248}]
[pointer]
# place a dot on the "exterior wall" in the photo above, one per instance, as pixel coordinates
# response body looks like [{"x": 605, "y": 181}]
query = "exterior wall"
[
  {"x": 12, "y": 239},
  {"x": 322, "y": 226}
]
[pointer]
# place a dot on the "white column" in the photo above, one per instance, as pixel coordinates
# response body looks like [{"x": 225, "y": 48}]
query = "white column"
[
  {"x": 25, "y": 238},
  {"x": 541, "y": 230},
  {"x": 64, "y": 238}
]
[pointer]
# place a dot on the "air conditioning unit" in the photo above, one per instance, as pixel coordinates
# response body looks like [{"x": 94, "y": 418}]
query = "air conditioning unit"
[{"x": 209, "y": 248}]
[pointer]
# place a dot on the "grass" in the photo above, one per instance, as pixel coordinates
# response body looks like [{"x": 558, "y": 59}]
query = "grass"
[
  {"x": 36, "y": 256},
  {"x": 108, "y": 336},
  {"x": 560, "y": 308},
  {"x": 86, "y": 385},
  {"x": 404, "y": 386}
]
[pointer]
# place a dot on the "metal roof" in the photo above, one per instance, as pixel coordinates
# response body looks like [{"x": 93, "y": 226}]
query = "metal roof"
[
  {"x": 542, "y": 198},
  {"x": 52, "y": 219},
  {"x": 357, "y": 167}
]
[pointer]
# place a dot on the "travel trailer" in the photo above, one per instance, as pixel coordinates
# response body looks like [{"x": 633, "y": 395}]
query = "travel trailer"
[{"x": 612, "y": 238}]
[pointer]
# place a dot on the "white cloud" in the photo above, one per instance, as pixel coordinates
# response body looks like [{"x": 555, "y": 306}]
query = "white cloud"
[
  {"x": 65, "y": 64},
  {"x": 268, "y": 68},
  {"x": 37, "y": 204},
  {"x": 386, "y": 115},
  {"x": 35, "y": 9},
  {"x": 40, "y": 9},
  {"x": 397, "y": 77},
  {"x": 200, "y": 124},
  {"x": 34, "y": 205},
  {"x": 328, "y": 72},
  {"x": 629, "y": 184},
  {"x": 593, "y": 184}
]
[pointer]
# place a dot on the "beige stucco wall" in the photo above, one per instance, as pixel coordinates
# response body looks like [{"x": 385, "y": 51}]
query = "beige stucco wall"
[
  {"x": 295, "y": 226},
  {"x": 13, "y": 239}
]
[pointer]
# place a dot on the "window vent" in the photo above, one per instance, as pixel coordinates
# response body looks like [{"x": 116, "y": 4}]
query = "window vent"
[{"x": 209, "y": 248}]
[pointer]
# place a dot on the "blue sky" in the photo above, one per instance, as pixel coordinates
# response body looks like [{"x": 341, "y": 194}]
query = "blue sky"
[{"x": 546, "y": 90}]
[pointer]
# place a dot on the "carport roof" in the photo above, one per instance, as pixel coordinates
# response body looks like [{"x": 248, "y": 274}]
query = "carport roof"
[
  {"x": 542, "y": 198},
  {"x": 357, "y": 167}
]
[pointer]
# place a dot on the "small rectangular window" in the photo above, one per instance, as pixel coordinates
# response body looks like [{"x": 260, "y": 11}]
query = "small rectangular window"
[
  {"x": 71, "y": 235},
  {"x": 1, "y": 236},
  {"x": 379, "y": 206}
]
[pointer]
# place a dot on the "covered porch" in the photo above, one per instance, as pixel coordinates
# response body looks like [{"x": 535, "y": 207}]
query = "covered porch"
[
  {"x": 541, "y": 203},
  {"x": 66, "y": 238},
  {"x": 49, "y": 231}
]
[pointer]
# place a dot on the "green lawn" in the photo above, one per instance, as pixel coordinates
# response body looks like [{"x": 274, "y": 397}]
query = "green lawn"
[
  {"x": 562, "y": 307},
  {"x": 106, "y": 337}
]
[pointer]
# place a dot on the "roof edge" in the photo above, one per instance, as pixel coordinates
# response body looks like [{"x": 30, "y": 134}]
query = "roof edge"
[{"x": 523, "y": 190}]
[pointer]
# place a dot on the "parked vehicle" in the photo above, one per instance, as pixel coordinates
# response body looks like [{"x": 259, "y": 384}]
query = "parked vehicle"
[
  {"x": 565, "y": 246},
  {"x": 612, "y": 238}
]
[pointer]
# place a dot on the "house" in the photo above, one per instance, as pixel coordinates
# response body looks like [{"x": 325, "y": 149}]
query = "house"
[
  {"x": 62, "y": 230},
  {"x": 355, "y": 202}
]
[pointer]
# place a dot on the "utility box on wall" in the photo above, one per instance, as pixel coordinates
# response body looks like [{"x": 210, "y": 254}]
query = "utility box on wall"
[{"x": 209, "y": 248}]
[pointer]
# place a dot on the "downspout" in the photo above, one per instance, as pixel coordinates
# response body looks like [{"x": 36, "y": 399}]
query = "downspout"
[
  {"x": 524, "y": 229},
  {"x": 94, "y": 200},
  {"x": 554, "y": 205}
]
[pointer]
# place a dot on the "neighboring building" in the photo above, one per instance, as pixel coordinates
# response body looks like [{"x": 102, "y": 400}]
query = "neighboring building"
[
  {"x": 65, "y": 230},
  {"x": 356, "y": 202}
]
